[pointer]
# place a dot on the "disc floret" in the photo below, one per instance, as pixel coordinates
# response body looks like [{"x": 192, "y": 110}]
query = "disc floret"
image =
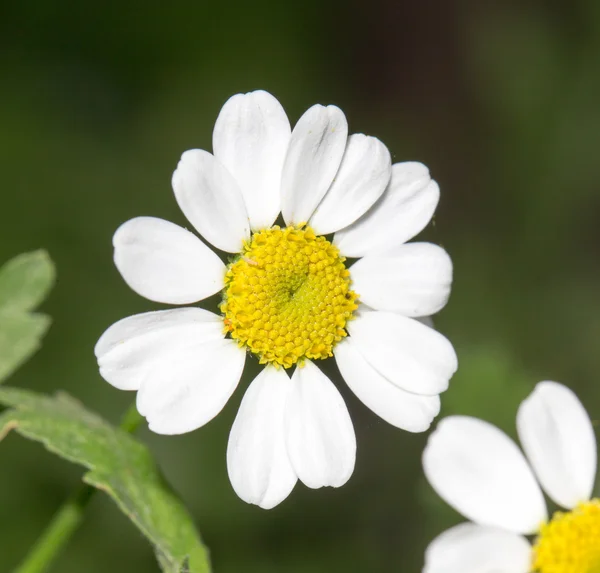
[
  {"x": 570, "y": 541},
  {"x": 288, "y": 297}
]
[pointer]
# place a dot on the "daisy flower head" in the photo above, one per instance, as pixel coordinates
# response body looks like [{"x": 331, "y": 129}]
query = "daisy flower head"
[
  {"x": 481, "y": 472},
  {"x": 289, "y": 296}
]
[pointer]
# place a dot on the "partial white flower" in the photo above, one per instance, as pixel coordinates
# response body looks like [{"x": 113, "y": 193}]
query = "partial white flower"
[
  {"x": 288, "y": 296},
  {"x": 482, "y": 473}
]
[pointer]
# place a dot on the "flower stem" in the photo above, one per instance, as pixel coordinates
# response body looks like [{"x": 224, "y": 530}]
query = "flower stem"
[
  {"x": 69, "y": 516},
  {"x": 64, "y": 523}
]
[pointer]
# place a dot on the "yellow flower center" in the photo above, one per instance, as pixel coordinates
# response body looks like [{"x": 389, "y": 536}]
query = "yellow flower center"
[
  {"x": 570, "y": 542},
  {"x": 287, "y": 297}
]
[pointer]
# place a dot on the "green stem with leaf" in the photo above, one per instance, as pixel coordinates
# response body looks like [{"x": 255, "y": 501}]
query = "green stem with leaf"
[{"x": 69, "y": 516}]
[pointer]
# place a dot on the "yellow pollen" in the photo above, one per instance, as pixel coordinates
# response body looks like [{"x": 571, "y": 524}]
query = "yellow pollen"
[
  {"x": 287, "y": 297},
  {"x": 570, "y": 542}
]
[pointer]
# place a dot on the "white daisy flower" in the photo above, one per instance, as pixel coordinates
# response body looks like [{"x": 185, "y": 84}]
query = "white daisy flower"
[
  {"x": 481, "y": 472},
  {"x": 288, "y": 297}
]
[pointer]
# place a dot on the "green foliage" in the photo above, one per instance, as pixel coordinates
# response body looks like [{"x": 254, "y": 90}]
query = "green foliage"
[
  {"x": 24, "y": 283},
  {"x": 118, "y": 464}
]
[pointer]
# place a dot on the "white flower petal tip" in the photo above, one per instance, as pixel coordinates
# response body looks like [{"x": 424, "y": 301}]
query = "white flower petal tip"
[
  {"x": 188, "y": 387},
  {"x": 470, "y": 548},
  {"x": 399, "y": 408},
  {"x": 362, "y": 178},
  {"x": 409, "y": 354},
  {"x": 257, "y": 461},
  {"x": 314, "y": 155},
  {"x": 129, "y": 350},
  {"x": 413, "y": 280},
  {"x": 211, "y": 200},
  {"x": 250, "y": 139},
  {"x": 480, "y": 471},
  {"x": 165, "y": 263},
  {"x": 319, "y": 433},
  {"x": 558, "y": 438},
  {"x": 402, "y": 212}
]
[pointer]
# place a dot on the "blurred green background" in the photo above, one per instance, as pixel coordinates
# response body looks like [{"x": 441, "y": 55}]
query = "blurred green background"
[{"x": 500, "y": 99}]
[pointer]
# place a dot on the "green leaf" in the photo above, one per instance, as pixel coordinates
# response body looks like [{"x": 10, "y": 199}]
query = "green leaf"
[
  {"x": 20, "y": 336},
  {"x": 118, "y": 464},
  {"x": 24, "y": 283}
]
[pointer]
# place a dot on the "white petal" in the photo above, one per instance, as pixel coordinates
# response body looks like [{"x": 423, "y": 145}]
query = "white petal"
[
  {"x": 482, "y": 473},
  {"x": 165, "y": 263},
  {"x": 363, "y": 176},
  {"x": 211, "y": 200},
  {"x": 250, "y": 139},
  {"x": 320, "y": 436},
  {"x": 402, "y": 409},
  {"x": 313, "y": 158},
  {"x": 413, "y": 280},
  {"x": 470, "y": 548},
  {"x": 190, "y": 385},
  {"x": 129, "y": 349},
  {"x": 402, "y": 212},
  {"x": 257, "y": 461},
  {"x": 558, "y": 438},
  {"x": 409, "y": 354}
]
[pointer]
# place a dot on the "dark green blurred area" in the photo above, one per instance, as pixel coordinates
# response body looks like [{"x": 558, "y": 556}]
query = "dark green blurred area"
[{"x": 501, "y": 100}]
